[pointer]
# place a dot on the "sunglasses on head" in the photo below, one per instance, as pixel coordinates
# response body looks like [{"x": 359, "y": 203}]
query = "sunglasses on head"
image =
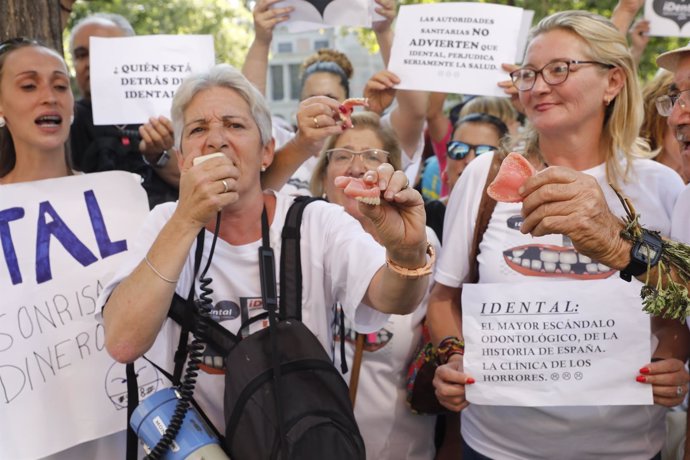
[{"x": 457, "y": 150}]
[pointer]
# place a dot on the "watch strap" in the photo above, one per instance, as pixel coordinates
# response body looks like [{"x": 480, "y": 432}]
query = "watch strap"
[{"x": 644, "y": 254}]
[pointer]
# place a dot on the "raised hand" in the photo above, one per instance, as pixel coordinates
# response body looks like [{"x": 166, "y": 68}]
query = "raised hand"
[
  {"x": 266, "y": 18},
  {"x": 380, "y": 90}
]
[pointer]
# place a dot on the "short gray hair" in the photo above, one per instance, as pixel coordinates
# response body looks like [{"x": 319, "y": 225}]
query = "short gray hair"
[
  {"x": 223, "y": 76},
  {"x": 107, "y": 19}
]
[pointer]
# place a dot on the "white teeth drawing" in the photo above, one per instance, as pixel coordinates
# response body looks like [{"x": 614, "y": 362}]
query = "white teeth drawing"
[{"x": 558, "y": 261}]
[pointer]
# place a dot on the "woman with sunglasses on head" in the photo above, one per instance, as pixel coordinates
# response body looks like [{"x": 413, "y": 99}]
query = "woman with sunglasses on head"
[
  {"x": 580, "y": 94},
  {"x": 389, "y": 428},
  {"x": 474, "y": 134}
]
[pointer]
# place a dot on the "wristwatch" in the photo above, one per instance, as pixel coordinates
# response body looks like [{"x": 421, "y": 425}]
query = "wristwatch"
[
  {"x": 160, "y": 162},
  {"x": 644, "y": 254}
]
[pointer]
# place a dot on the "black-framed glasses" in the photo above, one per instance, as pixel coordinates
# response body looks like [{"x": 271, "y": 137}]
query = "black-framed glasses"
[
  {"x": 457, "y": 150},
  {"x": 553, "y": 73},
  {"x": 372, "y": 158},
  {"x": 664, "y": 104}
]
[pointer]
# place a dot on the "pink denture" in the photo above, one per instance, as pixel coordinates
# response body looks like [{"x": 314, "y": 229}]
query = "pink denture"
[
  {"x": 515, "y": 170},
  {"x": 356, "y": 188}
]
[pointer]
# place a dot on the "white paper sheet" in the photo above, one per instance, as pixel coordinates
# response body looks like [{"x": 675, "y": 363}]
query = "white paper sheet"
[
  {"x": 556, "y": 343},
  {"x": 668, "y": 18},
  {"x": 455, "y": 47},
  {"x": 135, "y": 78}
]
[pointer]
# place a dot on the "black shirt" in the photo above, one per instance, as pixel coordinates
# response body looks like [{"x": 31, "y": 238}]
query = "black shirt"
[{"x": 108, "y": 148}]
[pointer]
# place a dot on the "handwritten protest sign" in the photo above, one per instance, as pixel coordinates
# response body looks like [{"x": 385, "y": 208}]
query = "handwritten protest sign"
[
  {"x": 668, "y": 18},
  {"x": 555, "y": 343},
  {"x": 61, "y": 239},
  {"x": 135, "y": 78},
  {"x": 318, "y": 14},
  {"x": 455, "y": 47}
]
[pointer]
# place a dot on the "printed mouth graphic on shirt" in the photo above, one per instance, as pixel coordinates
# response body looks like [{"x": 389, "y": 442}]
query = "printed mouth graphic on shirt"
[
  {"x": 548, "y": 260},
  {"x": 212, "y": 361},
  {"x": 372, "y": 342}
]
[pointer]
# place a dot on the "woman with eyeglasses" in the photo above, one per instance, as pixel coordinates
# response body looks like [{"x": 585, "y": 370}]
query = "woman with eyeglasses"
[
  {"x": 389, "y": 428},
  {"x": 580, "y": 94}
]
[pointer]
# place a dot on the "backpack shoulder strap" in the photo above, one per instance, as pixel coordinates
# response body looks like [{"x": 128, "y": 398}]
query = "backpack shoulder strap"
[
  {"x": 290, "y": 260},
  {"x": 486, "y": 209}
]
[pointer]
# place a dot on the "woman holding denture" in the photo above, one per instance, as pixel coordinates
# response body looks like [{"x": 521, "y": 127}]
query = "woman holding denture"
[
  {"x": 580, "y": 93},
  {"x": 220, "y": 111},
  {"x": 389, "y": 429}
]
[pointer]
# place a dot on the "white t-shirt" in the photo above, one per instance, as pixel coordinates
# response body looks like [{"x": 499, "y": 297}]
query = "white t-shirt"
[
  {"x": 391, "y": 431},
  {"x": 338, "y": 262},
  {"x": 411, "y": 161},
  {"x": 508, "y": 256},
  {"x": 680, "y": 227}
]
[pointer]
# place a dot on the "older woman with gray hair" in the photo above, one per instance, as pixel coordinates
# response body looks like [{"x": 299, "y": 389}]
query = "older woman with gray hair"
[{"x": 220, "y": 111}]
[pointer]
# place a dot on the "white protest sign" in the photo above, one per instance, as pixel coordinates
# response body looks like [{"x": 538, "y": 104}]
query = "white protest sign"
[
  {"x": 556, "y": 343},
  {"x": 527, "y": 16},
  {"x": 319, "y": 14},
  {"x": 455, "y": 47},
  {"x": 135, "y": 78},
  {"x": 668, "y": 18},
  {"x": 62, "y": 238}
]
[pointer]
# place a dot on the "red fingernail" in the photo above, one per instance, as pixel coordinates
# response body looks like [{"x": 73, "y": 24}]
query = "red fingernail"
[
  {"x": 469, "y": 381},
  {"x": 343, "y": 126},
  {"x": 641, "y": 378},
  {"x": 645, "y": 370},
  {"x": 342, "y": 109}
]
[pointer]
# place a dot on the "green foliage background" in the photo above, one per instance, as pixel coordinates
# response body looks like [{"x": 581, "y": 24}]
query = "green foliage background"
[{"x": 229, "y": 21}]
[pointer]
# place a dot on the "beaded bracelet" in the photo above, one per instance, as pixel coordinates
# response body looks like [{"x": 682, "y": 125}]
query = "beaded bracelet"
[
  {"x": 416, "y": 272},
  {"x": 448, "y": 347}
]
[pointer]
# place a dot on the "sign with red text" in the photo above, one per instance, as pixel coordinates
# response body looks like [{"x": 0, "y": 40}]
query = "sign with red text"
[
  {"x": 135, "y": 78},
  {"x": 668, "y": 18},
  {"x": 556, "y": 343},
  {"x": 456, "y": 47},
  {"x": 62, "y": 239}
]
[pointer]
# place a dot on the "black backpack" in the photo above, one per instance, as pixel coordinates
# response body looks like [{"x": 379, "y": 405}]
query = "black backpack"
[{"x": 284, "y": 398}]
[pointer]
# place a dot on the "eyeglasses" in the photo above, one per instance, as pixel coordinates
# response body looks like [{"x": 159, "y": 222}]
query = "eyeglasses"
[
  {"x": 457, "y": 150},
  {"x": 665, "y": 104},
  {"x": 372, "y": 158},
  {"x": 553, "y": 73}
]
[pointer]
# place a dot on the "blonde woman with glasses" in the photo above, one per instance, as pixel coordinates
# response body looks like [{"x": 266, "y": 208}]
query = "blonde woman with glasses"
[{"x": 579, "y": 90}]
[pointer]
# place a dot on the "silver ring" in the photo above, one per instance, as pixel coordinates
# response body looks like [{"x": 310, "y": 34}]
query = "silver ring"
[
  {"x": 679, "y": 390},
  {"x": 225, "y": 186}
]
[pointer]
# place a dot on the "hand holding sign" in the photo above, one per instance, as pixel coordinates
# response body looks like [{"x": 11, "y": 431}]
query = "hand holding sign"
[
  {"x": 266, "y": 18},
  {"x": 449, "y": 382},
  {"x": 385, "y": 9}
]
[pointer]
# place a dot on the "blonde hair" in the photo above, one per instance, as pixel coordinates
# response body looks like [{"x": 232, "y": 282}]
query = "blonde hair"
[
  {"x": 499, "y": 107},
  {"x": 361, "y": 121},
  {"x": 624, "y": 114},
  {"x": 654, "y": 125}
]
